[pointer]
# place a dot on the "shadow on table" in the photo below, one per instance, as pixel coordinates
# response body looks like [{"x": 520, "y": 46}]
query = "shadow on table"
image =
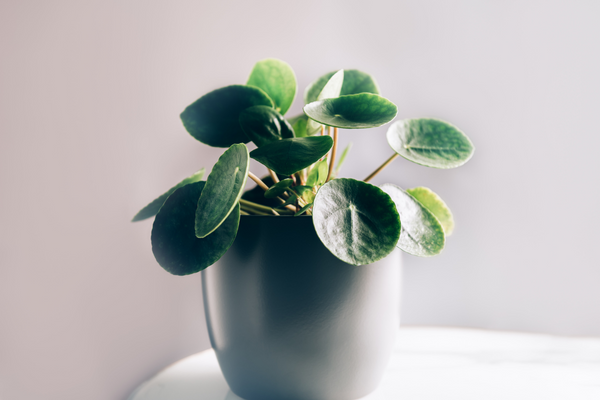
[{"x": 232, "y": 396}]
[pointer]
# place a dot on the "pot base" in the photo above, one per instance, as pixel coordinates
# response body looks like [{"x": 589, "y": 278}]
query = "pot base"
[{"x": 288, "y": 320}]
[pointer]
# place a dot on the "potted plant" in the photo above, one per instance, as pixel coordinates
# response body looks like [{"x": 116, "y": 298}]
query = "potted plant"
[{"x": 304, "y": 305}]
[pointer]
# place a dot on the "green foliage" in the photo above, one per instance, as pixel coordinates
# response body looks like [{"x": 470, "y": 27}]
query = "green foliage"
[
  {"x": 278, "y": 189},
  {"x": 303, "y": 210},
  {"x": 355, "y": 82},
  {"x": 318, "y": 174},
  {"x": 299, "y": 124},
  {"x": 223, "y": 190},
  {"x": 257, "y": 194},
  {"x": 174, "y": 242},
  {"x": 288, "y": 156},
  {"x": 263, "y": 125},
  {"x": 355, "y": 111},
  {"x": 435, "y": 205},
  {"x": 152, "y": 209},
  {"x": 331, "y": 90},
  {"x": 304, "y": 126},
  {"x": 213, "y": 118},
  {"x": 430, "y": 142},
  {"x": 305, "y": 192},
  {"x": 196, "y": 221},
  {"x": 333, "y": 87},
  {"x": 356, "y": 221},
  {"x": 422, "y": 234},
  {"x": 289, "y": 201},
  {"x": 277, "y": 79}
]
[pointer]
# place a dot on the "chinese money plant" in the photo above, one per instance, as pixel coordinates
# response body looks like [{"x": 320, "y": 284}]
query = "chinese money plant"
[{"x": 197, "y": 220}]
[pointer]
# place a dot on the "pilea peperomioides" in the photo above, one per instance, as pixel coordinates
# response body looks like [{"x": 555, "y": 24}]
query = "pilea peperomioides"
[{"x": 196, "y": 221}]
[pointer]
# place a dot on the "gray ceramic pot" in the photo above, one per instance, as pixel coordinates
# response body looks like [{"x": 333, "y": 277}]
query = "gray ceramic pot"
[{"x": 289, "y": 321}]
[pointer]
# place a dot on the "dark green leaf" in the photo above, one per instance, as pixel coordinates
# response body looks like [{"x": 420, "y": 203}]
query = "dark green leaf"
[
  {"x": 152, "y": 209},
  {"x": 354, "y": 111},
  {"x": 277, "y": 79},
  {"x": 289, "y": 200},
  {"x": 223, "y": 190},
  {"x": 303, "y": 210},
  {"x": 430, "y": 142},
  {"x": 436, "y": 205},
  {"x": 318, "y": 174},
  {"x": 213, "y": 118},
  {"x": 356, "y": 221},
  {"x": 422, "y": 234},
  {"x": 355, "y": 82},
  {"x": 278, "y": 188},
  {"x": 263, "y": 125},
  {"x": 174, "y": 243},
  {"x": 288, "y": 156}
]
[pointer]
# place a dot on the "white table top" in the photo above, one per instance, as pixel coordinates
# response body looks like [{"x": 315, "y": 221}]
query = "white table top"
[{"x": 435, "y": 364}]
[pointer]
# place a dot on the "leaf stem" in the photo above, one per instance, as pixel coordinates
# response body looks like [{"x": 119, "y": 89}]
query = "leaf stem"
[
  {"x": 275, "y": 179},
  {"x": 264, "y": 187},
  {"x": 381, "y": 167},
  {"x": 333, "y": 151},
  {"x": 258, "y": 181},
  {"x": 273, "y": 175},
  {"x": 255, "y": 212},
  {"x": 323, "y": 134},
  {"x": 258, "y": 207},
  {"x": 298, "y": 197}
]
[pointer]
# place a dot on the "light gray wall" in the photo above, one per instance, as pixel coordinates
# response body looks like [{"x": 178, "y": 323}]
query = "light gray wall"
[{"x": 90, "y": 94}]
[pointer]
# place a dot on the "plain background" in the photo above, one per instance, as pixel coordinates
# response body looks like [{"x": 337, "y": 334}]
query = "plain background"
[{"x": 90, "y": 93}]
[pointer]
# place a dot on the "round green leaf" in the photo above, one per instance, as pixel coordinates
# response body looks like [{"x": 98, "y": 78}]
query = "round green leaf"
[
  {"x": 277, "y": 79},
  {"x": 174, "y": 243},
  {"x": 264, "y": 125},
  {"x": 356, "y": 221},
  {"x": 422, "y": 234},
  {"x": 354, "y": 111},
  {"x": 330, "y": 90},
  {"x": 152, "y": 209},
  {"x": 213, "y": 118},
  {"x": 430, "y": 142},
  {"x": 288, "y": 156},
  {"x": 436, "y": 205},
  {"x": 278, "y": 188},
  {"x": 333, "y": 87},
  {"x": 223, "y": 190},
  {"x": 355, "y": 82}
]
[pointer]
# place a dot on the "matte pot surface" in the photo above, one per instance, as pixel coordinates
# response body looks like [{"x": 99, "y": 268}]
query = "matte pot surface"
[{"x": 290, "y": 321}]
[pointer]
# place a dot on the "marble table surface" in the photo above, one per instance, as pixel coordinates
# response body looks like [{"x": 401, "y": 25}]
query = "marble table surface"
[{"x": 435, "y": 364}]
